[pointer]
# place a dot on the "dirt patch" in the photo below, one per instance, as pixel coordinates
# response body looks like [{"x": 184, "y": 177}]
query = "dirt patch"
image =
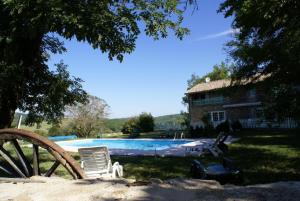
[{"x": 174, "y": 190}]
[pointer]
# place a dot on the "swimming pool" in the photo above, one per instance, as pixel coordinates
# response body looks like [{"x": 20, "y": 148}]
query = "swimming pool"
[
  {"x": 61, "y": 138},
  {"x": 127, "y": 144}
]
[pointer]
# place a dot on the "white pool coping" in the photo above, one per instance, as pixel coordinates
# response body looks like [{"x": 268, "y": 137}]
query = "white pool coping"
[{"x": 180, "y": 150}]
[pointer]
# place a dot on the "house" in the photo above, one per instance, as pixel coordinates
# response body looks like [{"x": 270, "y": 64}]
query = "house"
[{"x": 219, "y": 101}]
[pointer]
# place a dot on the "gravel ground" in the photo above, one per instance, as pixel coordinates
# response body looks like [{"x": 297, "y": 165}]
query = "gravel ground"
[{"x": 58, "y": 189}]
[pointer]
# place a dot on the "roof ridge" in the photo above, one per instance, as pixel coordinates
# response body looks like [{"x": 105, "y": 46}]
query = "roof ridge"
[{"x": 207, "y": 86}]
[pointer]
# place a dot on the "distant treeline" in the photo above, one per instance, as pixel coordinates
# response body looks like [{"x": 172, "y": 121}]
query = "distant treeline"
[{"x": 166, "y": 122}]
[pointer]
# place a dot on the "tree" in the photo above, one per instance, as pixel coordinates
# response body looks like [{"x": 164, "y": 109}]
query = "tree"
[
  {"x": 219, "y": 72},
  {"x": 268, "y": 43},
  {"x": 130, "y": 126},
  {"x": 88, "y": 118},
  {"x": 145, "y": 122},
  {"x": 30, "y": 32},
  {"x": 222, "y": 71}
]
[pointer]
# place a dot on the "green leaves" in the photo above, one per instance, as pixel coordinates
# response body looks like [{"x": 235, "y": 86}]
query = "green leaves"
[
  {"x": 28, "y": 34},
  {"x": 268, "y": 43},
  {"x": 143, "y": 123},
  {"x": 219, "y": 72}
]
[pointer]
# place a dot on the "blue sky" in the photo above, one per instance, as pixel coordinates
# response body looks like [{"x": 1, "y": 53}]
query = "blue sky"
[{"x": 154, "y": 77}]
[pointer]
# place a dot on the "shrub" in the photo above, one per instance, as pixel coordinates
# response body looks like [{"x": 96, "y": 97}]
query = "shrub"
[
  {"x": 236, "y": 125},
  {"x": 223, "y": 127},
  {"x": 54, "y": 130},
  {"x": 61, "y": 129},
  {"x": 206, "y": 121},
  {"x": 143, "y": 123},
  {"x": 41, "y": 132},
  {"x": 196, "y": 132},
  {"x": 130, "y": 126},
  {"x": 200, "y": 131}
]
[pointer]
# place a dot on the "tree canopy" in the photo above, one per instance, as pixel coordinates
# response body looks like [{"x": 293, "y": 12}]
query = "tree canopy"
[
  {"x": 88, "y": 118},
  {"x": 142, "y": 123},
  {"x": 30, "y": 32},
  {"x": 268, "y": 42},
  {"x": 219, "y": 72}
]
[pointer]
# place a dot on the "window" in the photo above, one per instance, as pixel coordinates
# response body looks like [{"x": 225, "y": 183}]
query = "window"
[
  {"x": 218, "y": 116},
  {"x": 215, "y": 116},
  {"x": 202, "y": 96},
  {"x": 252, "y": 93},
  {"x": 221, "y": 116}
]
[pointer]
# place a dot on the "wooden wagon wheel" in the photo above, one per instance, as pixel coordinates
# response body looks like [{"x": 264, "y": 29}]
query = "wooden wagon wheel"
[{"x": 27, "y": 170}]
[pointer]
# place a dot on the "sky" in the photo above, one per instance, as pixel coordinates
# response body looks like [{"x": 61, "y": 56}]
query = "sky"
[{"x": 154, "y": 77}]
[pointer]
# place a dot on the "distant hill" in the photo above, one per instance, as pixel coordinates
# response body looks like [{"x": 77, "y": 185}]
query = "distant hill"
[
  {"x": 166, "y": 122},
  {"x": 167, "y": 118},
  {"x": 115, "y": 125},
  {"x": 161, "y": 122}
]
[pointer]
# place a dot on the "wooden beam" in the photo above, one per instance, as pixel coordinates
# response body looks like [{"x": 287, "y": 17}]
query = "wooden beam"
[
  {"x": 35, "y": 159},
  {"x": 5, "y": 154},
  {"x": 52, "y": 169},
  {"x": 4, "y": 169},
  {"x": 26, "y": 165},
  {"x": 69, "y": 163},
  {"x": 62, "y": 161}
]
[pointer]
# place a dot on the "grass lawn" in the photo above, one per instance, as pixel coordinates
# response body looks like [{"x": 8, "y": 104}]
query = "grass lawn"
[
  {"x": 268, "y": 156},
  {"x": 264, "y": 156}
]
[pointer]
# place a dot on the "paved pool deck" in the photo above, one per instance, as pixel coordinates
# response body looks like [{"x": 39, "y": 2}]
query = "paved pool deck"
[{"x": 180, "y": 150}]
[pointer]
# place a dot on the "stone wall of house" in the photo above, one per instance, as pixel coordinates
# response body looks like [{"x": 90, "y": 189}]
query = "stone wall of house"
[
  {"x": 232, "y": 96},
  {"x": 237, "y": 113},
  {"x": 197, "y": 112}
]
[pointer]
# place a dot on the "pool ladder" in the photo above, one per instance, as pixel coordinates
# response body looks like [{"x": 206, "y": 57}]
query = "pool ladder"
[{"x": 181, "y": 135}]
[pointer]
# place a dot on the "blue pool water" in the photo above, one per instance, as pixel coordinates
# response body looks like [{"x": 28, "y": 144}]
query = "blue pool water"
[
  {"x": 60, "y": 138},
  {"x": 139, "y": 144}
]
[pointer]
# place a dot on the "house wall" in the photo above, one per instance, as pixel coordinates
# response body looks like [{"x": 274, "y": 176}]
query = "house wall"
[
  {"x": 197, "y": 112},
  {"x": 250, "y": 116},
  {"x": 234, "y": 114},
  {"x": 231, "y": 96}
]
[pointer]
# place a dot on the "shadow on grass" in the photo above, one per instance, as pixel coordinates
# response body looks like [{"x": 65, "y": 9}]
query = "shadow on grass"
[
  {"x": 288, "y": 138},
  {"x": 263, "y": 164}
]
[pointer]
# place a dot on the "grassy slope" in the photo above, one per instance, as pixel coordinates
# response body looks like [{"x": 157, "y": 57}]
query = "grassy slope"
[
  {"x": 263, "y": 156},
  {"x": 167, "y": 118}
]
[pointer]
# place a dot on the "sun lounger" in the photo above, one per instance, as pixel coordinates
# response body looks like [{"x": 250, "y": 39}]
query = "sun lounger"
[
  {"x": 225, "y": 172},
  {"x": 218, "y": 147},
  {"x": 96, "y": 163}
]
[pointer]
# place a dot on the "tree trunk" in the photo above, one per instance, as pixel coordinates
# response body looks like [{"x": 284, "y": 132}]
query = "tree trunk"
[{"x": 6, "y": 117}]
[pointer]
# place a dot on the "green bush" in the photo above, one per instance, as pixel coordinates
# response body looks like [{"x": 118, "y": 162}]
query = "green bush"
[
  {"x": 41, "y": 132},
  {"x": 145, "y": 122},
  {"x": 130, "y": 126},
  {"x": 236, "y": 126},
  {"x": 60, "y": 129},
  {"x": 199, "y": 132},
  {"x": 223, "y": 127},
  {"x": 55, "y": 130}
]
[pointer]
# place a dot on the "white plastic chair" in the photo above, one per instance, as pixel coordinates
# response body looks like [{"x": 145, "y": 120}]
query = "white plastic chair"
[{"x": 96, "y": 163}]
